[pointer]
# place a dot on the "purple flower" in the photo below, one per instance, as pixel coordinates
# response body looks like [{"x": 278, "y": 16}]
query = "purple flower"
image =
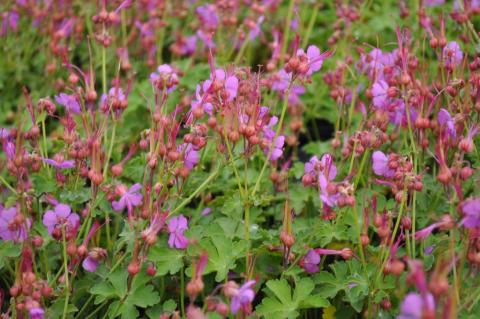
[
  {"x": 230, "y": 83},
  {"x": 255, "y": 30},
  {"x": 90, "y": 264},
  {"x": 115, "y": 97},
  {"x": 165, "y": 77},
  {"x": 433, "y": 3},
  {"x": 207, "y": 14},
  {"x": 452, "y": 54},
  {"x": 188, "y": 46},
  {"x": 207, "y": 38},
  {"x": 206, "y": 211},
  {"x": 9, "y": 21},
  {"x": 243, "y": 297},
  {"x": 190, "y": 155},
  {"x": 9, "y": 228},
  {"x": 277, "y": 145},
  {"x": 380, "y": 164},
  {"x": 471, "y": 211},
  {"x": 428, "y": 250},
  {"x": 59, "y": 165},
  {"x": 176, "y": 228},
  {"x": 313, "y": 57},
  {"x": 380, "y": 97},
  {"x": 446, "y": 121},
  {"x": 311, "y": 261},
  {"x": 61, "y": 218},
  {"x": 128, "y": 198},
  {"x": 70, "y": 102},
  {"x": 414, "y": 304},
  {"x": 36, "y": 313},
  {"x": 311, "y": 165}
]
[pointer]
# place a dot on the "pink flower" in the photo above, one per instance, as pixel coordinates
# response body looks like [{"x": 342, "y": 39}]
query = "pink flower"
[
  {"x": 70, "y": 103},
  {"x": 176, "y": 228},
  {"x": 243, "y": 297},
  {"x": 59, "y": 219},
  {"x": 380, "y": 165},
  {"x": 9, "y": 228},
  {"x": 452, "y": 54},
  {"x": 128, "y": 198}
]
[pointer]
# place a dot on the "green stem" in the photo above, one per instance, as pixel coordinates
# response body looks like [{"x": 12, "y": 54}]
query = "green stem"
[
  {"x": 8, "y": 185},
  {"x": 287, "y": 28},
  {"x": 65, "y": 265},
  {"x": 104, "y": 69},
  {"x": 311, "y": 23},
  {"x": 182, "y": 292}
]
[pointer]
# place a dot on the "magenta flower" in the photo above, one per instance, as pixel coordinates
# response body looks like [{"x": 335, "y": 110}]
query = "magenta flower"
[
  {"x": 311, "y": 261},
  {"x": 447, "y": 122},
  {"x": 59, "y": 164},
  {"x": 243, "y": 297},
  {"x": 61, "y": 218},
  {"x": 128, "y": 198},
  {"x": 70, "y": 103},
  {"x": 452, "y": 54},
  {"x": 471, "y": 211},
  {"x": 36, "y": 313},
  {"x": 380, "y": 164},
  {"x": 313, "y": 57},
  {"x": 425, "y": 232},
  {"x": 9, "y": 228},
  {"x": 190, "y": 155},
  {"x": 414, "y": 304},
  {"x": 176, "y": 228}
]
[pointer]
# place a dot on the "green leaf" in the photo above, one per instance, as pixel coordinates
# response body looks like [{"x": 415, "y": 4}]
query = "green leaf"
[
  {"x": 8, "y": 250},
  {"x": 167, "y": 260},
  {"x": 222, "y": 254},
  {"x": 144, "y": 297},
  {"x": 281, "y": 304}
]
